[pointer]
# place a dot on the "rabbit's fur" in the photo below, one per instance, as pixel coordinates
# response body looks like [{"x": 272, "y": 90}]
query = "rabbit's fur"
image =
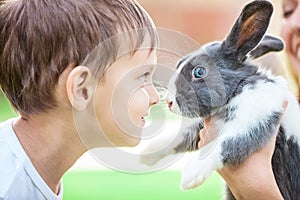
[{"x": 245, "y": 104}]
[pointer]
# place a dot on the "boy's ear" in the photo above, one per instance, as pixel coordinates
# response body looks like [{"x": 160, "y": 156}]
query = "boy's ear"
[
  {"x": 268, "y": 44},
  {"x": 248, "y": 29},
  {"x": 80, "y": 87}
]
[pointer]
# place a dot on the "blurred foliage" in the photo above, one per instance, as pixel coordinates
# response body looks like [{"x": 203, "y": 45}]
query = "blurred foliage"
[
  {"x": 6, "y": 110},
  {"x": 112, "y": 185}
]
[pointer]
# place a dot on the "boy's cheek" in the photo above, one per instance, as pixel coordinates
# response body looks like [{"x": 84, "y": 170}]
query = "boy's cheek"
[
  {"x": 128, "y": 111},
  {"x": 138, "y": 105},
  {"x": 120, "y": 112}
]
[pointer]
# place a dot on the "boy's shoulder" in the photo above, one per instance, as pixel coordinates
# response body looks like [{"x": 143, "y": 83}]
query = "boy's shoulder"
[
  {"x": 10, "y": 165},
  {"x": 19, "y": 178}
]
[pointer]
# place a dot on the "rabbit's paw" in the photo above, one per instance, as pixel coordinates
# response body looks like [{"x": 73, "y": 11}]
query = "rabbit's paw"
[
  {"x": 196, "y": 171},
  {"x": 193, "y": 176}
]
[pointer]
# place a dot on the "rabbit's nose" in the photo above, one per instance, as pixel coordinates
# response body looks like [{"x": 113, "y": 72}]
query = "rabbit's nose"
[
  {"x": 169, "y": 102},
  {"x": 169, "y": 99}
]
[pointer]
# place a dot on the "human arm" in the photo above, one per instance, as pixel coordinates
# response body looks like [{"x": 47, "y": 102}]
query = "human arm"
[{"x": 254, "y": 178}]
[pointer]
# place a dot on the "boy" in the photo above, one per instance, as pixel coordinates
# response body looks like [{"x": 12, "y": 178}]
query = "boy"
[
  {"x": 48, "y": 54},
  {"x": 43, "y": 43}
]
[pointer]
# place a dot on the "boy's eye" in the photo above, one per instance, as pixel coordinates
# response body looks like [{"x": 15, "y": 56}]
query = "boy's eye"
[{"x": 145, "y": 77}]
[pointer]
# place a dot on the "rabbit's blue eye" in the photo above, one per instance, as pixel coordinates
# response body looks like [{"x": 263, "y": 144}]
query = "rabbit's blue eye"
[{"x": 200, "y": 72}]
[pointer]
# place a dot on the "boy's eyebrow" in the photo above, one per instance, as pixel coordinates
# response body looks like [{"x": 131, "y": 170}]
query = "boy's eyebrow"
[{"x": 148, "y": 67}]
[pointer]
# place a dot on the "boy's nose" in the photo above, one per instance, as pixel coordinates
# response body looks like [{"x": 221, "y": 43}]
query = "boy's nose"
[{"x": 154, "y": 97}]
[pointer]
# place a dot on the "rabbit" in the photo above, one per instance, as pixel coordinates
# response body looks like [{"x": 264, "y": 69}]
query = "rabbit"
[{"x": 220, "y": 81}]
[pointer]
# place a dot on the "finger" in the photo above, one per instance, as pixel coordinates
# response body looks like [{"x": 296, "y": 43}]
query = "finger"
[
  {"x": 204, "y": 133},
  {"x": 284, "y": 107}
]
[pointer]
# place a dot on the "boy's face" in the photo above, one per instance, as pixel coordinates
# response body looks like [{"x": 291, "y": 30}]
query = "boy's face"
[{"x": 124, "y": 96}]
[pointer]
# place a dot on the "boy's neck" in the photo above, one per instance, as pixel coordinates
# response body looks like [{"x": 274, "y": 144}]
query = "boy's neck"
[{"x": 52, "y": 144}]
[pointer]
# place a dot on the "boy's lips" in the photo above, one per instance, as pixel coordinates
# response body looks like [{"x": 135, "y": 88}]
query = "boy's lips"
[{"x": 143, "y": 118}]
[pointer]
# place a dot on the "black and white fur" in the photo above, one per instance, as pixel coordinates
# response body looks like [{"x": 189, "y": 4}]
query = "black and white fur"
[{"x": 244, "y": 104}]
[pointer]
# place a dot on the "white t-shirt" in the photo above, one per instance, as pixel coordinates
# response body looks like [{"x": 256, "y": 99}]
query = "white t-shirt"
[{"x": 19, "y": 180}]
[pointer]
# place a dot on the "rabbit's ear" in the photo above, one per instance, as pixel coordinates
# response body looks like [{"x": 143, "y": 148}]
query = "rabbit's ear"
[
  {"x": 268, "y": 44},
  {"x": 248, "y": 29}
]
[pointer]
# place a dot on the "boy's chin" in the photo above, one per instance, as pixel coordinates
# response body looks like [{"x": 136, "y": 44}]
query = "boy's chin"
[
  {"x": 129, "y": 138},
  {"x": 131, "y": 142},
  {"x": 134, "y": 139},
  {"x": 134, "y": 143}
]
